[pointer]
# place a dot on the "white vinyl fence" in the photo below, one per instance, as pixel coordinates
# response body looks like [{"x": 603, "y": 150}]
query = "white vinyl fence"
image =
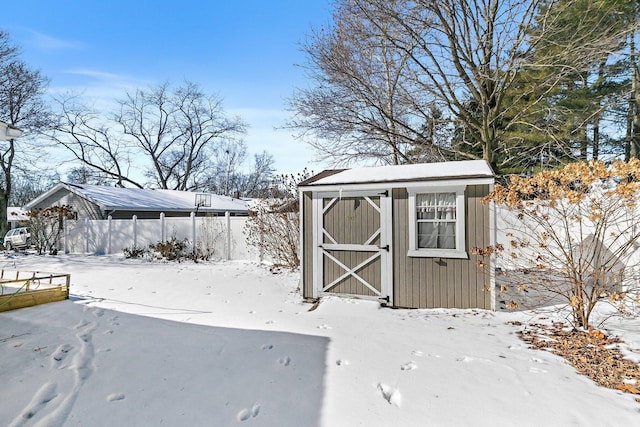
[{"x": 223, "y": 236}]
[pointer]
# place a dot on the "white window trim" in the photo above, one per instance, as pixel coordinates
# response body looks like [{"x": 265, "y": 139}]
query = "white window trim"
[{"x": 460, "y": 251}]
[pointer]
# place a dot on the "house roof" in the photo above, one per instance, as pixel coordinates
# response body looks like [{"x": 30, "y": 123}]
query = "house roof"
[
  {"x": 15, "y": 213},
  {"x": 8, "y": 131},
  {"x": 138, "y": 199},
  {"x": 403, "y": 173}
]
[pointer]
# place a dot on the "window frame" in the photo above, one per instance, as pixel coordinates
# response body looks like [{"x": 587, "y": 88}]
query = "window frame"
[{"x": 460, "y": 224}]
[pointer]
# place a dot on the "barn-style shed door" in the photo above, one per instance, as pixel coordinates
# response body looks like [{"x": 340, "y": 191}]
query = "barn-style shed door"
[{"x": 353, "y": 244}]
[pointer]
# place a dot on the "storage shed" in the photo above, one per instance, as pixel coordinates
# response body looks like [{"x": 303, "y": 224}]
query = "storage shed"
[{"x": 401, "y": 235}]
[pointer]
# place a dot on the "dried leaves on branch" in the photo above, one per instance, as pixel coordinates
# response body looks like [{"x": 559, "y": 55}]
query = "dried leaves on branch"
[{"x": 570, "y": 236}]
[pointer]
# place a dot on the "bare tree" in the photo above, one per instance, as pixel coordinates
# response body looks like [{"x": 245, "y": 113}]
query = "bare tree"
[
  {"x": 357, "y": 106},
  {"x": 177, "y": 130},
  {"x": 170, "y": 134},
  {"x": 468, "y": 63},
  {"x": 90, "y": 139},
  {"x": 86, "y": 175},
  {"x": 21, "y": 105},
  {"x": 29, "y": 184},
  {"x": 229, "y": 173}
]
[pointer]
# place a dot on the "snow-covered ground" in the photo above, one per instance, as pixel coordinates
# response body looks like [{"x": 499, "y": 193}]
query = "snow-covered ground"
[{"x": 222, "y": 344}]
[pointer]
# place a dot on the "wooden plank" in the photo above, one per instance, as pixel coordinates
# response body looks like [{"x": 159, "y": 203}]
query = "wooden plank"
[
  {"x": 464, "y": 283},
  {"x": 400, "y": 246},
  {"x": 423, "y": 281},
  {"x": 485, "y": 280},
  {"x": 434, "y": 282},
  {"x": 31, "y": 298},
  {"x": 456, "y": 287},
  {"x": 307, "y": 241},
  {"x": 444, "y": 284},
  {"x": 473, "y": 227}
]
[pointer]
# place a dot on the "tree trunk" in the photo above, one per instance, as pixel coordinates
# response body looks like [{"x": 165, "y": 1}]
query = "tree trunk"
[{"x": 634, "y": 101}]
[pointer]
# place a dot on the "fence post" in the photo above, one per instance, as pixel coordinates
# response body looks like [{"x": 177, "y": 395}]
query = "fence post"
[
  {"x": 162, "y": 230},
  {"x": 109, "y": 232},
  {"x": 135, "y": 230},
  {"x": 193, "y": 231},
  {"x": 227, "y": 216},
  {"x": 65, "y": 236},
  {"x": 86, "y": 235}
]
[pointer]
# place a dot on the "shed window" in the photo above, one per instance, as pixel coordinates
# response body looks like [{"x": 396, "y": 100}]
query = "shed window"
[{"x": 437, "y": 222}]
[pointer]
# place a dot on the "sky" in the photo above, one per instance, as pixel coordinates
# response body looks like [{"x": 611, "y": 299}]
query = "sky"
[{"x": 246, "y": 51}]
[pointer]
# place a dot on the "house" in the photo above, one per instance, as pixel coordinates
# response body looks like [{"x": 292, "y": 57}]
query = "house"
[
  {"x": 8, "y": 131},
  {"x": 100, "y": 202},
  {"x": 16, "y": 216},
  {"x": 402, "y": 235}
]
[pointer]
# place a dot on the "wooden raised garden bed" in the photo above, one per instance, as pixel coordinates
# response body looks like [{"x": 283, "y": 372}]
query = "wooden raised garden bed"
[{"x": 19, "y": 289}]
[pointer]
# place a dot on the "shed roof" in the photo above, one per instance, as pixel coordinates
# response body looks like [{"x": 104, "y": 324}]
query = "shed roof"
[
  {"x": 403, "y": 173},
  {"x": 139, "y": 199}
]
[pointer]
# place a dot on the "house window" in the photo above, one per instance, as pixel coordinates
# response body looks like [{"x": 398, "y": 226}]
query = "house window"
[{"x": 437, "y": 222}]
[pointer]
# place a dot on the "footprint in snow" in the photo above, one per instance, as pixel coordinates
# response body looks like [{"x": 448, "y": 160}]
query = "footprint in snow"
[
  {"x": 61, "y": 352},
  {"x": 267, "y": 346},
  {"x": 390, "y": 394},
  {"x": 417, "y": 353},
  {"x": 115, "y": 397},
  {"x": 324, "y": 326},
  {"x": 284, "y": 361},
  {"x": 245, "y": 414},
  {"x": 341, "y": 362},
  {"x": 409, "y": 366},
  {"x": 270, "y": 322},
  {"x": 41, "y": 398}
]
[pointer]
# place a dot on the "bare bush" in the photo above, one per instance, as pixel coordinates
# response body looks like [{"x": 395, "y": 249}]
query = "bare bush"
[
  {"x": 571, "y": 236},
  {"x": 172, "y": 249},
  {"x": 274, "y": 224},
  {"x": 46, "y": 227}
]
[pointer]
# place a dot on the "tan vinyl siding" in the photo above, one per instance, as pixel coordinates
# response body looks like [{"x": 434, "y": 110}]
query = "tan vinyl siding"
[
  {"x": 441, "y": 282},
  {"x": 307, "y": 244}
]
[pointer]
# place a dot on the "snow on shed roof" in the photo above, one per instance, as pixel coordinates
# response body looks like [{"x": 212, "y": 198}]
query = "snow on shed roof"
[
  {"x": 402, "y": 173},
  {"x": 115, "y": 198}
]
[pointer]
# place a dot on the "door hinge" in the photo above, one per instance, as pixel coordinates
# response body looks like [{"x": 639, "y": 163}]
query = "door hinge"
[
  {"x": 385, "y": 193},
  {"x": 385, "y": 298},
  {"x": 386, "y": 248}
]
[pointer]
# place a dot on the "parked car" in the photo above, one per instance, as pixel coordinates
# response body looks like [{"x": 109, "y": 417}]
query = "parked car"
[{"x": 18, "y": 238}]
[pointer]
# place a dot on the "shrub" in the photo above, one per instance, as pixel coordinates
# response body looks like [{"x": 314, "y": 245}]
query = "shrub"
[
  {"x": 274, "y": 224},
  {"x": 135, "y": 252},
  {"x": 571, "y": 236},
  {"x": 210, "y": 232},
  {"x": 172, "y": 250},
  {"x": 46, "y": 227}
]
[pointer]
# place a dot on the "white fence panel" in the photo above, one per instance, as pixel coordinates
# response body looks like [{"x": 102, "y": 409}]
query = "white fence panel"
[
  {"x": 121, "y": 236},
  {"x": 223, "y": 237}
]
